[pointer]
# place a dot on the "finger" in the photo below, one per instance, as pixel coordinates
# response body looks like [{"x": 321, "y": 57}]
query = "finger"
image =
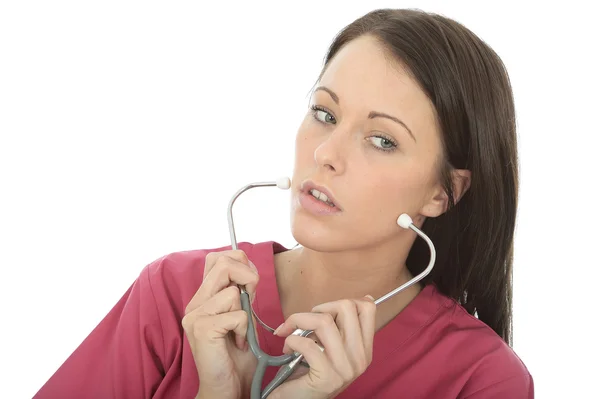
[
  {"x": 225, "y": 271},
  {"x": 228, "y": 272},
  {"x": 356, "y": 321},
  {"x": 211, "y": 258},
  {"x": 327, "y": 331},
  {"x": 236, "y": 259},
  {"x": 226, "y": 300},
  {"x": 210, "y": 330},
  {"x": 320, "y": 375},
  {"x": 252, "y": 266},
  {"x": 345, "y": 314},
  {"x": 367, "y": 311}
]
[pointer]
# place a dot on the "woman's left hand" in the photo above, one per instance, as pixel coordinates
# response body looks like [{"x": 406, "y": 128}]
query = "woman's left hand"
[{"x": 345, "y": 329}]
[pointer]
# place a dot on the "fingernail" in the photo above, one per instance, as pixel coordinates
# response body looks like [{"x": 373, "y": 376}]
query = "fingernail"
[
  {"x": 277, "y": 329},
  {"x": 252, "y": 266},
  {"x": 370, "y": 297}
]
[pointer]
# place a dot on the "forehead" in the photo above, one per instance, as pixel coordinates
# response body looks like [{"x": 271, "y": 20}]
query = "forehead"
[{"x": 365, "y": 75}]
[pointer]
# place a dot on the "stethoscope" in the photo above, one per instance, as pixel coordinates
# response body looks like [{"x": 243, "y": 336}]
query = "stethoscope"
[{"x": 288, "y": 363}]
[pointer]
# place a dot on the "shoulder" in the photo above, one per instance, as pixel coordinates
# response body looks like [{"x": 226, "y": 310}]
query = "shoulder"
[{"x": 493, "y": 368}]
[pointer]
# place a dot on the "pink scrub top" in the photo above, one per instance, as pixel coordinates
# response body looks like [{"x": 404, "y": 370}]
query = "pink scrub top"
[{"x": 433, "y": 349}]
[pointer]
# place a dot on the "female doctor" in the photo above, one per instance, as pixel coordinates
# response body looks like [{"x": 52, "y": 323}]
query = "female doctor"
[{"x": 412, "y": 113}]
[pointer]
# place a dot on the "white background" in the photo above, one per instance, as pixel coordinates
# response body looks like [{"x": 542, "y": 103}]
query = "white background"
[{"x": 126, "y": 127}]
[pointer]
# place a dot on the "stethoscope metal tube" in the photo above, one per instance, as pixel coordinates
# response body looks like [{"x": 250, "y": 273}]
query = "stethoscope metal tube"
[
  {"x": 283, "y": 183},
  {"x": 290, "y": 362}
]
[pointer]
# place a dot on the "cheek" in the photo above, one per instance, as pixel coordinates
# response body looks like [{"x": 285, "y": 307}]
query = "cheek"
[
  {"x": 403, "y": 191},
  {"x": 305, "y": 146}
]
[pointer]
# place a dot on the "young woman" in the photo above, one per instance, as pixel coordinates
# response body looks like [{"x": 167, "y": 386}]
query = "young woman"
[{"x": 412, "y": 113}]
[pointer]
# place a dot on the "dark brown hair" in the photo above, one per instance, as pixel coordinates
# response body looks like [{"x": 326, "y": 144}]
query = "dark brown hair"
[{"x": 469, "y": 87}]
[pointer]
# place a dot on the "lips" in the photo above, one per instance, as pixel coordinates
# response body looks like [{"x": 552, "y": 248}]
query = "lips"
[{"x": 309, "y": 185}]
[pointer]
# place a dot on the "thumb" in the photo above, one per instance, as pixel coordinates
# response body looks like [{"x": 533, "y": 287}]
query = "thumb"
[{"x": 253, "y": 267}]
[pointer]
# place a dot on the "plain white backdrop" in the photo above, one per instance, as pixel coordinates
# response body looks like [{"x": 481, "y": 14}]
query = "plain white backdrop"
[{"x": 126, "y": 126}]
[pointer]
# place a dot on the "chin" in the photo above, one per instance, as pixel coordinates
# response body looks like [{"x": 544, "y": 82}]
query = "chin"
[
  {"x": 323, "y": 234},
  {"x": 318, "y": 234},
  {"x": 318, "y": 242}
]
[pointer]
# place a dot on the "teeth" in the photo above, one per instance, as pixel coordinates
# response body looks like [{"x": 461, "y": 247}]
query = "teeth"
[{"x": 321, "y": 197}]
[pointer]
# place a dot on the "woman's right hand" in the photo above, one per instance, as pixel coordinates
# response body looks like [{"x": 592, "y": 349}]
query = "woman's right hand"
[{"x": 215, "y": 326}]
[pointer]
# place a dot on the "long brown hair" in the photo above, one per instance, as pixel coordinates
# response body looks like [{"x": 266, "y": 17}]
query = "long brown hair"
[{"x": 469, "y": 87}]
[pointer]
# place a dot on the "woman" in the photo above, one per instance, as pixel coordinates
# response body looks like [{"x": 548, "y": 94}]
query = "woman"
[{"x": 412, "y": 114}]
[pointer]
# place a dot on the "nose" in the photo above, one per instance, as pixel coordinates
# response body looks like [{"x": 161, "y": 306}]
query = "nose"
[{"x": 329, "y": 154}]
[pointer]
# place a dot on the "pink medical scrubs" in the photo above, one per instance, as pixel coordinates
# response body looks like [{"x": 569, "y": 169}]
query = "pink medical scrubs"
[{"x": 433, "y": 349}]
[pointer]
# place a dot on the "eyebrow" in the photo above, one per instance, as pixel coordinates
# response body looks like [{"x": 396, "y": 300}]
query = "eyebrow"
[
  {"x": 372, "y": 114},
  {"x": 331, "y": 93}
]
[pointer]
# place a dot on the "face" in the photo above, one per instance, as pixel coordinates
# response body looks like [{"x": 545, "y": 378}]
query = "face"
[{"x": 369, "y": 142}]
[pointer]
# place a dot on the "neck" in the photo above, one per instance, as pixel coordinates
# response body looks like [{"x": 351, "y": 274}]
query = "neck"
[{"x": 308, "y": 278}]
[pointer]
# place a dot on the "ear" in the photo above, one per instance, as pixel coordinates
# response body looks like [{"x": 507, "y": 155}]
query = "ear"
[{"x": 438, "y": 203}]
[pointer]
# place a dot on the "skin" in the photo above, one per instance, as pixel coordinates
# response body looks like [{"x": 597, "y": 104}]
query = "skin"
[{"x": 346, "y": 256}]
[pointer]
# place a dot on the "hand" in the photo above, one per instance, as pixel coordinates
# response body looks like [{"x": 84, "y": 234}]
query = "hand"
[
  {"x": 345, "y": 329},
  {"x": 216, "y": 326}
]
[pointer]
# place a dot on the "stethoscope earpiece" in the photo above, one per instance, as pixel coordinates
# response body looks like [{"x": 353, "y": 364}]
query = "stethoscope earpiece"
[
  {"x": 283, "y": 183},
  {"x": 404, "y": 221}
]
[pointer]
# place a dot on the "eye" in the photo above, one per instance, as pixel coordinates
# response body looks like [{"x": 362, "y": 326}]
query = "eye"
[
  {"x": 322, "y": 115},
  {"x": 383, "y": 143}
]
